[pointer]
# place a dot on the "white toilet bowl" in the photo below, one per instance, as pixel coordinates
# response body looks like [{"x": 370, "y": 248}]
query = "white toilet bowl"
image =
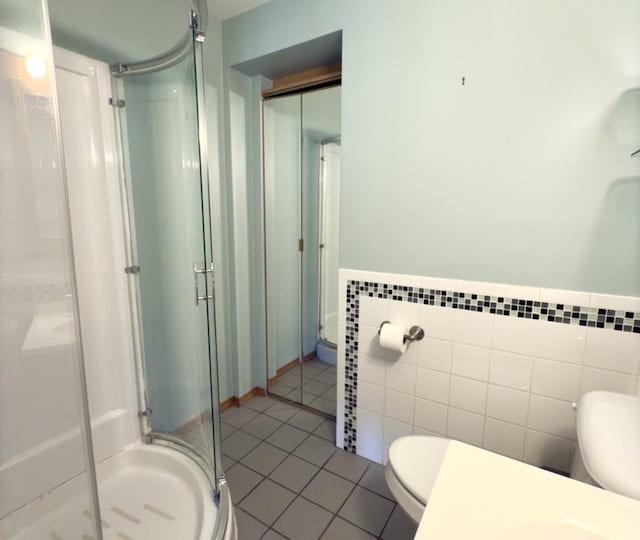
[{"x": 414, "y": 462}]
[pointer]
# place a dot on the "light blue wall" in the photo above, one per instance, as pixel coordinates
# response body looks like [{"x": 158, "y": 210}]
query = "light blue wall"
[
  {"x": 242, "y": 178},
  {"x": 521, "y": 175},
  {"x": 221, "y": 211}
]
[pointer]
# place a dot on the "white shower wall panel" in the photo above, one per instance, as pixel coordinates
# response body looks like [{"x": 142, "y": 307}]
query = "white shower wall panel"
[{"x": 40, "y": 446}]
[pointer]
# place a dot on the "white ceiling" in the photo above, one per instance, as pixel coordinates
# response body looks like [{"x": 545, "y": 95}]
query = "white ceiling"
[{"x": 226, "y": 9}]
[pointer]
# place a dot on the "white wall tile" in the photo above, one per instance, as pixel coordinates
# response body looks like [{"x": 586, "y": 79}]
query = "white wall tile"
[
  {"x": 373, "y": 311},
  {"x": 435, "y": 354},
  {"x": 601, "y": 379},
  {"x": 342, "y": 301},
  {"x": 481, "y": 287},
  {"x": 431, "y": 416},
  {"x": 369, "y": 342},
  {"x": 609, "y": 301},
  {"x": 394, "y": 429},
  {"x": 405, "y": 280},
  {"x": 350, "y": 273},
  {"x": 371, "y": 449},
  {"x": 465, "y": 426},
  {"x": 369, "y": 424},
  {"x": 372, "y": 369},
  {"x": 473, "y": 328},
  {"x": 503, "y": 438},
  {"x": 522, "y": 292},
  {"x": 471, "y": 361},
  {"x": 341, "y": 344},
  {"x": 611, "y": 349},
  {"x": 513, "y": 334},
  {"x": 438, "y": 284},
  {"x": 404, "y": 313},
  {"x": 401, "y": 377},
  {"x": 340, "y": 423},
  {"x": 552, "y": 416},
  {"x": 376, "y": 277},
  {"x": 371, "y": 397},
  {"x": 410, "y": 356},
  {"x": 507, "y": 404},
  {"x": 544, "y": 450},
  {"x": 568, "y": 298},
  {"x": 398, "y": 406},
  {"x": 512, "y": 370},
  {"x": 562, "y": 342},
  {"x": 468, "y": 394},
  {"x": 556, "y": 379},
  {"x": 437, "y": 322},
  {"x": 528, "y": 401},
  {"x": 433, "y": 385}
]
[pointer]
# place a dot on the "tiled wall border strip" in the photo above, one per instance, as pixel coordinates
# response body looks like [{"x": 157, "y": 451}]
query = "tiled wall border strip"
[{"x": 592, "y": 317}]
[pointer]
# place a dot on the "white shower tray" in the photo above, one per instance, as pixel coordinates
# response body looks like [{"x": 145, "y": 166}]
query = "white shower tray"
[{"x": 147, "y": 492}]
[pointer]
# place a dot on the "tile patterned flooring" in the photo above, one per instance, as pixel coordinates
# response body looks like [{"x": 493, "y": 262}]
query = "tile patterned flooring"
[
  {"x": 289, "y": 481},
  {"x": 314, "y": 385}
]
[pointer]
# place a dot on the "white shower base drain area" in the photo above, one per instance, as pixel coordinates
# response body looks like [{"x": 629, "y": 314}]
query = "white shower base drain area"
[{"x": 146, "y": 493}]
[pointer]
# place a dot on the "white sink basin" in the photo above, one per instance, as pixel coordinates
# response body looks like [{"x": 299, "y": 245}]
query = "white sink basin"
[
  {"x": 566, "y": 531},
  {"x": 480, "y": 495}
]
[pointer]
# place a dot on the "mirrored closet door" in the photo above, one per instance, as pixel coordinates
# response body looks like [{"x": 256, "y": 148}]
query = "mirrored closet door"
[{"x": 301, "y": 152}]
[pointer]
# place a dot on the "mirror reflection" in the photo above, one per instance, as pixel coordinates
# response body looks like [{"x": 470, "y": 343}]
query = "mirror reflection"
[{"x": 301, "y": 149}]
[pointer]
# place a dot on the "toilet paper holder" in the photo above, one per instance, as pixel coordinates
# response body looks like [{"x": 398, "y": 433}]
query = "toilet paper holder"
[{"x": 415, "y": 333}]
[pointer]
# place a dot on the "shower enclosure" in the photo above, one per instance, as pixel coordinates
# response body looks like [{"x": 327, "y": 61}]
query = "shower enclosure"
[{"x": 108, "y": 371}]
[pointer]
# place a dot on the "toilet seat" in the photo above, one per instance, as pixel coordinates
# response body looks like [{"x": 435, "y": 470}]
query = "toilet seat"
[{"x": 414, "y": 463}]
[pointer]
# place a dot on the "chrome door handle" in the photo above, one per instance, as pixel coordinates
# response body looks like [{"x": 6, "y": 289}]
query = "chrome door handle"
[
  {"x": 197, "y": 270},
  {"x": 204, "y": 271}
]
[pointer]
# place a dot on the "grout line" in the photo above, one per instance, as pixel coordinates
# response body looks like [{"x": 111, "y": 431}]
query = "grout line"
[
  {"x": 299, "y": 493},
  {"x": 386, "y": 523},
  {"x": 355, "y": 485},
  {"x": 271, "y": 444},
  {"x": 296, "y": 494}
]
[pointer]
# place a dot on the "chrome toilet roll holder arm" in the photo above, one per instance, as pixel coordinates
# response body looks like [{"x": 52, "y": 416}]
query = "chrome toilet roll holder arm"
[{"x": 415, "y": 333}]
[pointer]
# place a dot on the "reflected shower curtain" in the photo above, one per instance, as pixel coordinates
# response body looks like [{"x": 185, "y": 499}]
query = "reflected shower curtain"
[{"x": 329, "y": 228}]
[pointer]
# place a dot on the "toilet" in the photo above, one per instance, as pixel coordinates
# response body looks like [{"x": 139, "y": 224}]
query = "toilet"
[
  {"x": 608, "y": 454},
  {"x": 414, "y": 462}
]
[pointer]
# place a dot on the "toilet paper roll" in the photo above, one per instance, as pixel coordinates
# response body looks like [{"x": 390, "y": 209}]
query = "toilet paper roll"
[{"x": 392, "y": 337}]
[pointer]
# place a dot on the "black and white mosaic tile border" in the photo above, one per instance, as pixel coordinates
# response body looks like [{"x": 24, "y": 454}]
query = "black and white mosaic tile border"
[{"x": 592, "y": 317}]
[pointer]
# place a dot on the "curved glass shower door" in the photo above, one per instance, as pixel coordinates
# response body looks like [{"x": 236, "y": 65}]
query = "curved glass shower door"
[{"x": 170, "y": 259}]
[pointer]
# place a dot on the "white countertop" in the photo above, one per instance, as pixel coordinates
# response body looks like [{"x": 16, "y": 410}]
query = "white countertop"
[{"x": 481, "y": 495}]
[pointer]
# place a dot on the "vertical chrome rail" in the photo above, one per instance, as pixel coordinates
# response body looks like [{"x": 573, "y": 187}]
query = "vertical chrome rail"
[
  {"x": 203, "y": 151},
  {"x": 135, "y": 303}
]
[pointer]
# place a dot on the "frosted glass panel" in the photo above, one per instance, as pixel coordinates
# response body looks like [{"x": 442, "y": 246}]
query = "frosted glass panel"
[{"x": 41, "y": 443}]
